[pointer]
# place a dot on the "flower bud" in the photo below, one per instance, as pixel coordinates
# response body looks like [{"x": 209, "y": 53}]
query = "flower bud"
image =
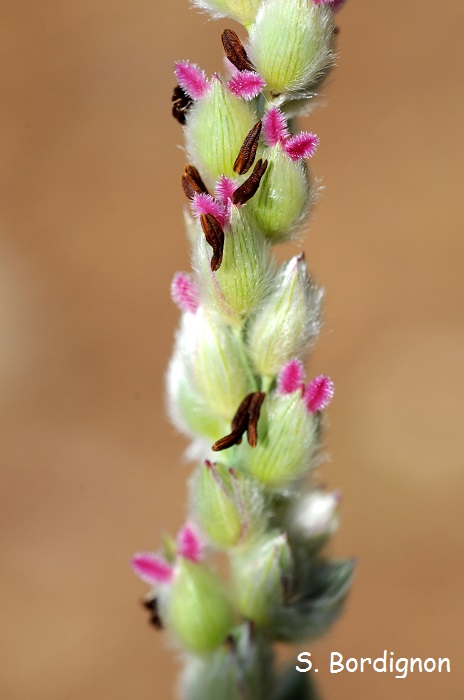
[
  {"x": 187, "y": 409},
  {"x": 284, "y": 196},
  {"x": 227, "y": 506},
  {"x": 288, "y": 320},
  {"x": 207, "y": 377},
  {"x": 198, "y": 610},
  {"x": 240, "y": 283},
  {"x": 262, "y": 574},
  {"x": 291, "y": 45},
  {"x": 216, "y": 127},
  {"x": 287, "y": 441},
  {"x": 243, "y": 11}
]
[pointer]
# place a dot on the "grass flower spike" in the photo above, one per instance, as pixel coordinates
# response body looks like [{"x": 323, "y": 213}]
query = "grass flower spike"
[{"x": 236, "y": 383}]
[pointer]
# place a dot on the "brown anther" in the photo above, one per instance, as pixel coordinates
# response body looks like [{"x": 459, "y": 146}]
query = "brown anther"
[
  {"x": 214, "y": 235},
  {"x": 234, "y": 438},
  {"x": 240, "y": 420},
  {"x": 235, "y": 50},
  {"x": 249, "y": 188},
  {"x": 253, "y": 413},
  {"x": 151, "y": 604},
  {"x": 192, "y": 183},
  {"x": 245, "y": 419},
  {"x": 182, "y": 104},
  {"x": 246, "y": 157}
]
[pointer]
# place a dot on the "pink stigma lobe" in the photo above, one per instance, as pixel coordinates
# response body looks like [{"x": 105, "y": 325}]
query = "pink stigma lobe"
[
  {"x": 192, "y": 79},
  {"x": 291, "y": 377},
  {"x": 246, "y": 84},
  {"x": 189, "y": 544},
  {"x": 151, "y": 568},
  {"x": 224, "y": 189},
  {"x": 301, "y": 146},
  {"x": 184, "y": 292},
  {"x": 319, "y": 393},
  {"x": 205, "y": 204},
  {"x": 274, "y": 127}
]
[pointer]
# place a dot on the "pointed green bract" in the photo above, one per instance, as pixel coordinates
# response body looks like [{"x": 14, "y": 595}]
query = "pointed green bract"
[
  {"x": 208, "y": 367},
  {"x": 261, "y": 572},
  {"x": 228, "y": 506}
]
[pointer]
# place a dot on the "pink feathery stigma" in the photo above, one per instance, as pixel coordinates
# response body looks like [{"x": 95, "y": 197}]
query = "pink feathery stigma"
[
  {"x": 225, "y": 188},
  {"x": 206, "y": 204},
  {"x": 189, "y": 545},
  {"x": 151, "y": 568},
  {"x": 301, "y": 146},
  {"x": 246, "y": 84},
  {"x": 318, "y": 393},
  {"x": 291, "y": 377},
  {"x": 192, "y": 79},
  {"x": 184, "y": 292},
  {"x": 274, "y": 127}
]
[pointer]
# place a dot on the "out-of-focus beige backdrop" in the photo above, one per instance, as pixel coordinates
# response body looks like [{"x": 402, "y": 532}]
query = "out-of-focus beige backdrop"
[{"x": 90, "y": 236}]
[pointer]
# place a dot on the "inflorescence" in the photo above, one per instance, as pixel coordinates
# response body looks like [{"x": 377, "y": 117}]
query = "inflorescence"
[{"x": 236, "y": 383}]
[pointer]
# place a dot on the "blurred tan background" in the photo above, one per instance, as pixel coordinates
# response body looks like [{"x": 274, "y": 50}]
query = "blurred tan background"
[{"x": 90, "y": 236}]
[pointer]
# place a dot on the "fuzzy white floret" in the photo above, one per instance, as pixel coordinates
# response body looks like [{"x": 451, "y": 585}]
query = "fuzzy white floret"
[
  {"x": 289, "y": 321},
  {"x": 291, "y": 45}
]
